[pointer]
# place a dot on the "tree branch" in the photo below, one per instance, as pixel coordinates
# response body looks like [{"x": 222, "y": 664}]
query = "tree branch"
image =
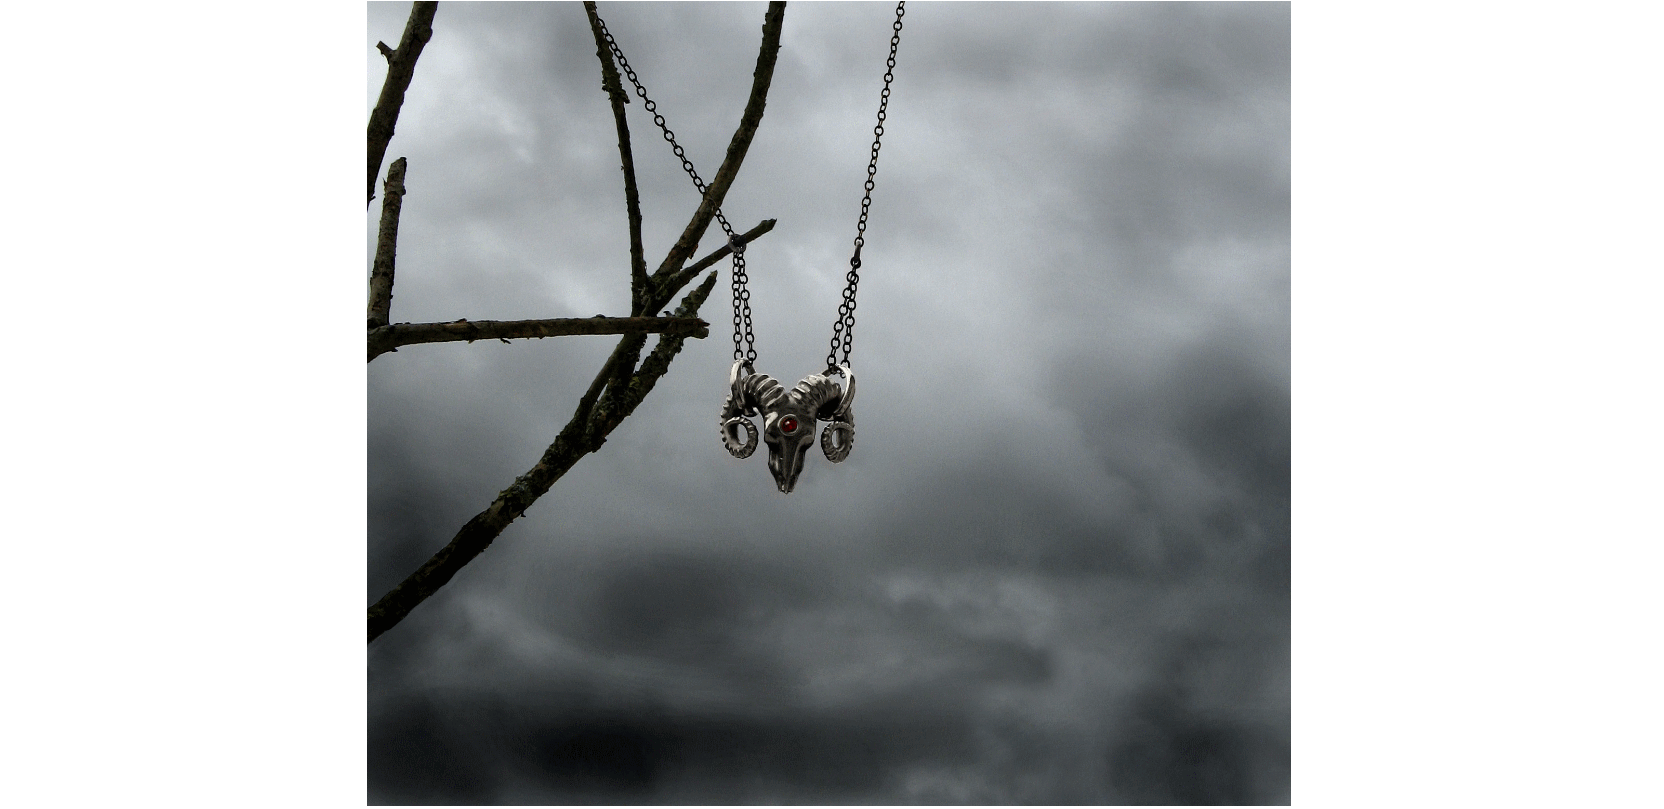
[
  {"x": 401, "y": 65},
  {"x": 624, "y": 364},
  {"x": 586, "y": 403},
  {"x": 622, "y": 399},
  {"x": 597, "y": 415},
  {"x": 381, "y": 275},
  {"x": 390, "y": 337},
  {"x": 632, "y": 198},
  {"x": 615, "y": 375},
  {"x": 621, "y": 368},
  {"x": 718, "y": 187},
  {"x": 584, "y": 434},
  {"x": 673, "y": 284}
]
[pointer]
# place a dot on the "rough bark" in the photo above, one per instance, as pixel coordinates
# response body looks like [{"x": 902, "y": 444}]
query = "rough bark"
[
  {"x": 387, "y": 239},
  {"x": 674, "y": 282},
  {"x": 391, "y": 337},
  {"x": 632, "y": 198},
  {"x": 401, "y": 66}
]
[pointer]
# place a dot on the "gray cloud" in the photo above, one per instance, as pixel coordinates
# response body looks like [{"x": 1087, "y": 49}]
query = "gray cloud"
[{"x": 1056, "y": 567}]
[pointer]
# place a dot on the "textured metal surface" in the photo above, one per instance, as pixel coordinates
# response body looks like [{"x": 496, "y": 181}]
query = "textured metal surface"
[
  {"x": 789, "y": 419},
  {"x": 839, "y": 436},
  {"x": 734, "y": 412}
]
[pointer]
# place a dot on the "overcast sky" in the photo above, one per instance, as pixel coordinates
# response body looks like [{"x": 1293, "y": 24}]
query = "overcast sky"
[{"x": 1055, "y": 568}]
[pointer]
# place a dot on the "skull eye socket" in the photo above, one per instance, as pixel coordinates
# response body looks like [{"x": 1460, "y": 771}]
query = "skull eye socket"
[{"x": 788, "y": 425}]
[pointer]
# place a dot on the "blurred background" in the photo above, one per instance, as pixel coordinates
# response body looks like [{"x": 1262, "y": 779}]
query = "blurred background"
[{"x": 1055, "y": 569}]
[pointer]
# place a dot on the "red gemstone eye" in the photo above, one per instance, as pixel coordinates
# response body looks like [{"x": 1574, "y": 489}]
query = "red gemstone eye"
[{"x": 788, "y": 424}]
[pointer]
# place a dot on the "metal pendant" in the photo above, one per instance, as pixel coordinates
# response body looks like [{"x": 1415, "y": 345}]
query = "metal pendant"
[{"x": 788, "y": 420}]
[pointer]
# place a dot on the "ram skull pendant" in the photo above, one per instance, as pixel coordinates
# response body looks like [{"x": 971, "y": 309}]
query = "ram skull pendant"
[{"x": 788, "y": 420}]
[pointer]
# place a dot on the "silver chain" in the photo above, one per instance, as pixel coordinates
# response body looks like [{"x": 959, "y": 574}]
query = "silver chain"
[
  {"x": 843, "y": 331},
  {"x": 742, "y": 296}
]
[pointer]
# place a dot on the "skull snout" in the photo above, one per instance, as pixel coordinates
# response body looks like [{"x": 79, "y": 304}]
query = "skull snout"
[{"x": 788, "y": 434}]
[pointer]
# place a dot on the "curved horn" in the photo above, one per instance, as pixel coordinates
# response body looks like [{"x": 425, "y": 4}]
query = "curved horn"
[
  {"x": 817, "y": 393},
  {"x": 731, "y": 439},
  {"x": 736, "y": 387},
  {"x": 839, "y": 436},
  {"x": 837, "y": 440},
  {"x": 734, "y": 411},
  {"x": 849, "y": 395},
  {"x": 762, "y": 392}
]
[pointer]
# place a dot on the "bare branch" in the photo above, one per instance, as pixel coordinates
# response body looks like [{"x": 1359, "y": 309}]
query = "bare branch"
[
  {"x": 623, "y": 360},
  {"x": 401, "y": 65},
  {"x": 718, "y": 188},
  {"x": 628, "y": 354},
  {"x": 386, "y": 52},
  {"x": 388, "y": 338},
  {"x": 586, "y": 403},
  {"x": 622, "y": 399},
  {"x": 581, "y": 436},
  {"x": 666, "y": 290},
  {"x": 626, "y": 388},
  {"x": 381, "y": 274},
  {"x": 672, "y": 285},
  {"x": 632, "y": 198}
]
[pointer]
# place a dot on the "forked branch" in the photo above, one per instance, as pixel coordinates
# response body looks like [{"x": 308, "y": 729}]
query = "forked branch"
[
  {"x": 673, "y": 283},
  {"x": 625, "y": 387},
  {"x": 717, "y": 190},
  {"x": 585, "y": 433},
  {"x": 401, "y": 66}
]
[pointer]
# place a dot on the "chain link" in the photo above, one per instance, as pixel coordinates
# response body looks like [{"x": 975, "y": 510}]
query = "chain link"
[
  {"x": 741, "y": 295},
  {"x": 843, "y": 331},
  {"x": 742, "y": 307}
]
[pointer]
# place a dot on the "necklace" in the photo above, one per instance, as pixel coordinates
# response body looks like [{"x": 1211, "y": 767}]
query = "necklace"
[{"x": 789, "y": 416}]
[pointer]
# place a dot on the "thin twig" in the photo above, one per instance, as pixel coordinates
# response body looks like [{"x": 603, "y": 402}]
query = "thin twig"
[
  {"x": 381, "y": 274},
  {"x": 632, "y": 198},
  {"x": 672, "y": 285},
  {"x": 718, "y": 187},
  {"x": 401, "y": 65},
  {"x": 390, "y": 337},
  {"x": 669, "y": 287}
]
